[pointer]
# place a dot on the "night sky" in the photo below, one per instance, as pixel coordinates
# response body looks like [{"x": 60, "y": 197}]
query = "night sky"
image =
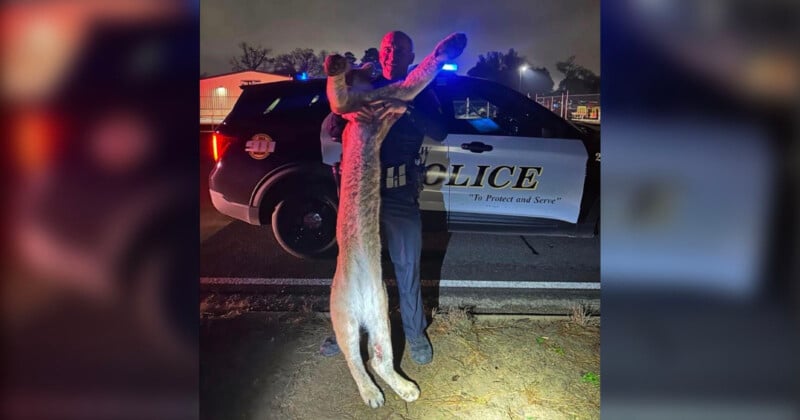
[{"x": 542, "y": 31}]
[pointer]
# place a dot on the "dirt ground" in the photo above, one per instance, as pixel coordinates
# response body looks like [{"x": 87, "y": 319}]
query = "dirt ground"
[{"x": 258, "y": 365}]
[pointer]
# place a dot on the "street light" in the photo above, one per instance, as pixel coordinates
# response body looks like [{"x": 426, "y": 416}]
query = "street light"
[{"x": 522, "y": 68}]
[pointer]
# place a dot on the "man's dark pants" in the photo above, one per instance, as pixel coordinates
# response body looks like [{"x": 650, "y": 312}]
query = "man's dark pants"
[{"x": 401, "y": 227}]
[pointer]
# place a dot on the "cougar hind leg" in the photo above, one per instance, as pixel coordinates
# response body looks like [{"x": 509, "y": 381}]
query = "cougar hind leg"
[
  {"x": 348, "y": 337},
  {"x": 382, "y": 362}
]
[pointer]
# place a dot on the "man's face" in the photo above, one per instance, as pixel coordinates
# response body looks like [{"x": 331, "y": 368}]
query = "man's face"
[{"x": 395, "y": 56}]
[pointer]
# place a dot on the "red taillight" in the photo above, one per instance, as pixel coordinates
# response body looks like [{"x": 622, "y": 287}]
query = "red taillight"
[
  {"x": 37, "y": 138},
  {"x": 214, "y": 147},
  {"x": 218, "y": 145}
]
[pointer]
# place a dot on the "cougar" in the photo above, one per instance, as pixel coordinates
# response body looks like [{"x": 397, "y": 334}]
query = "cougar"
[{"x": 358, "y": 294}]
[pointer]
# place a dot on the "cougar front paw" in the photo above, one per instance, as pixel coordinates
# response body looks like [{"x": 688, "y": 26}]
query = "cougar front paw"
[
  {"x": 452, "y": 46},
  {"x": 335, "y": 65}
]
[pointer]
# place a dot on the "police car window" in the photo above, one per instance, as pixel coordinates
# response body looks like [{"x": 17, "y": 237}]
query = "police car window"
[
  {"x": 481, "y": 107},
  {"x": 272, "y": 105},
  {"x": 478, "y": 107},
  {"x": 293, "y": 102},
  {"x": 477, "y": 112},
  {"x": 474, "y": 109},
  {"x": 284, "y": 99}
]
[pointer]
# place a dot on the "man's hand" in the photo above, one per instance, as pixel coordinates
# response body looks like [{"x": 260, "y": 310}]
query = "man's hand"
[
  {"x": 389, "y": 107},
  {"x": 382, "y": 109},
  {"x": 365, "y": 115}
]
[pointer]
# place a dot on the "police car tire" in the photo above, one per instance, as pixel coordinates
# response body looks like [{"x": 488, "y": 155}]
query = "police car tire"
[{"x": 288, "y": 218}]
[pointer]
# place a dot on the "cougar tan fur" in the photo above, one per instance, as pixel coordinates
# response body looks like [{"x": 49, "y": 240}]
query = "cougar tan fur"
[{"x": 358, "y": 294}]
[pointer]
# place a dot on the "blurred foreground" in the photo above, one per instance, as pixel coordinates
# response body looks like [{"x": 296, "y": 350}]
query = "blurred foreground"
[
  {"x": 700, "y": 210},
  {"x": 100, "y": 287}
]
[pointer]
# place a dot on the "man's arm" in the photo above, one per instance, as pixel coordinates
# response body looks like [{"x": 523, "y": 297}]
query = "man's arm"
[{"x": 332, "y": 127}]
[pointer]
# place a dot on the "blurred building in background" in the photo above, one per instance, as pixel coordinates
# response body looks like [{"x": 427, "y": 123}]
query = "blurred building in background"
[{"x": 219, "y": 93}]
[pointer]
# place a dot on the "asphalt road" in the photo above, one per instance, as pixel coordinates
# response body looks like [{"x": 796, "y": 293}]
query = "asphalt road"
[
  {"x": 245, "y": 251},
  {"x": 496, "y": 273}
]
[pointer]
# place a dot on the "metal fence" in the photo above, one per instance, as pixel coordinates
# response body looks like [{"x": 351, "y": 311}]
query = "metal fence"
[
  {"x": 584, "y": 107},
  {"x": 214, "y": 109}
]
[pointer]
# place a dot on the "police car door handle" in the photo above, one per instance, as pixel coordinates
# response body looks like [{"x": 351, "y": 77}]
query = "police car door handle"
[{"x": 476, "y": 147}]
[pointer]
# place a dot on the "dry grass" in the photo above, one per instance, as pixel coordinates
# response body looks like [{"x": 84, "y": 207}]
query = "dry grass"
[
  {"x": 483, "y": 367},
  {"x": 581, "y": 315},
  {"x": 223, "y": 306},
  {"x": 452, "y": 320},
  {"x": 500, "y": 368}
]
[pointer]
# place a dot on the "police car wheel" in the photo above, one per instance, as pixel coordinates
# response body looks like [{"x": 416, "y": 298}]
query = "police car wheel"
[{"x": 305, "y": 224}]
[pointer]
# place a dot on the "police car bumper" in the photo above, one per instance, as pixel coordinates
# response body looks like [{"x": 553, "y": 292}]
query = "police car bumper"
[{"x": 236, "y": 210}]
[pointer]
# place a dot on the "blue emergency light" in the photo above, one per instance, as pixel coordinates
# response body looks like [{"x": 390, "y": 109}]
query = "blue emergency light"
[
  {"x": 450, "y": 67},
  {"x": 302, "y": 76}
]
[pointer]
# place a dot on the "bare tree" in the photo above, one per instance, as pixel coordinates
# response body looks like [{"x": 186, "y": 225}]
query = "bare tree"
[
  {"x": 251, "y": 58},
  {"x": 300, "y": 60}
]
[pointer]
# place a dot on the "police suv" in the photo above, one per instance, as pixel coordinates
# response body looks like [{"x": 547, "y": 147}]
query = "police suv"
[{"x": 508, "y": 165}]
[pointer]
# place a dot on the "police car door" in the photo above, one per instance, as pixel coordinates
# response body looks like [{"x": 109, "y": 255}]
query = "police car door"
[{"x": 507, "y": 162}]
